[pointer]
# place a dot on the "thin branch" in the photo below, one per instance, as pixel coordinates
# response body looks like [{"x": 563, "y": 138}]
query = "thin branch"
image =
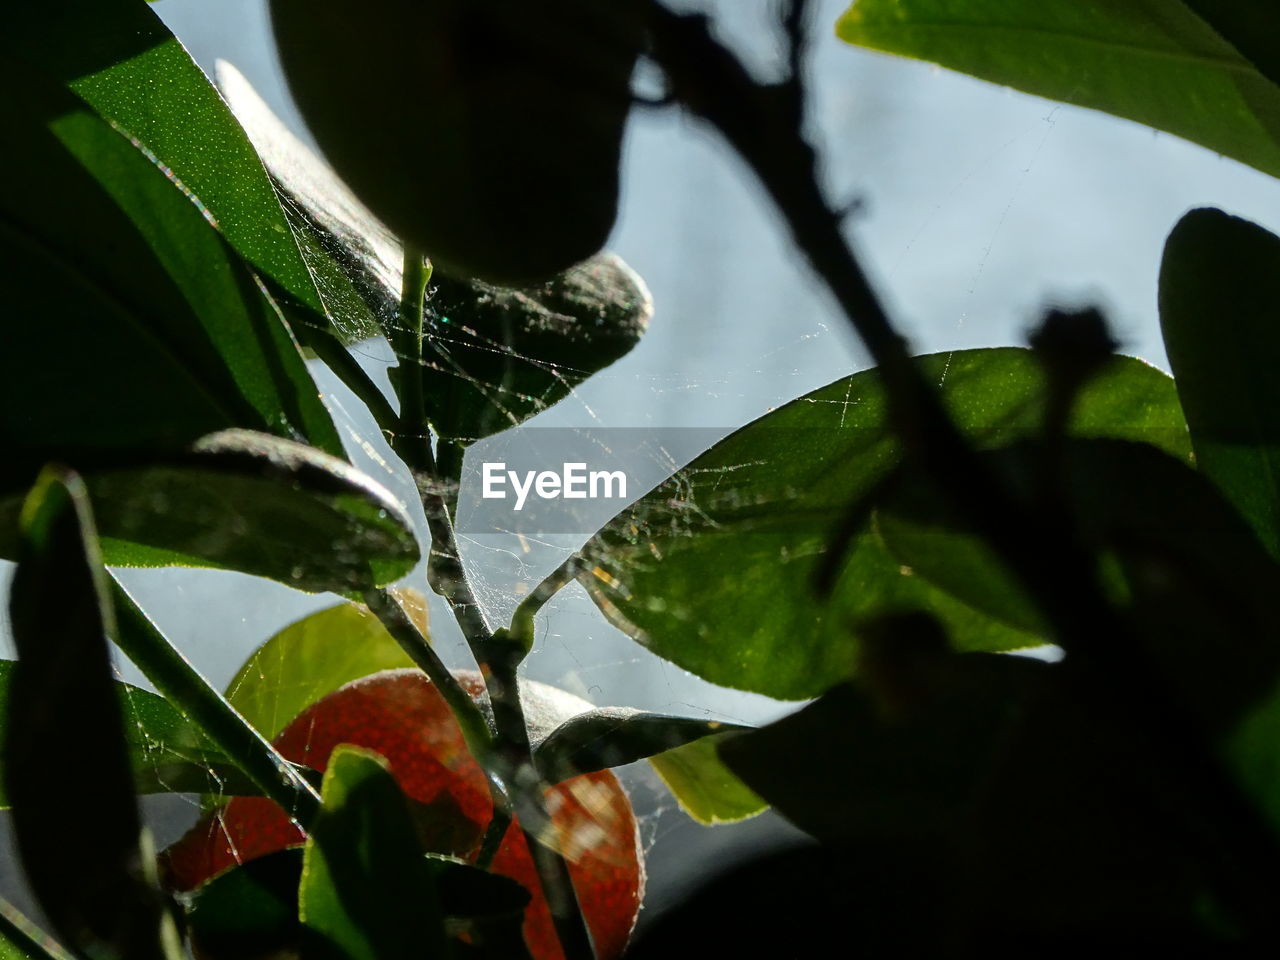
[
  {"x": 412, "y": 444},
  {"x": 521, "y": 631},
  {"x": 346, "y": 368},
  {"x": 26, "y": 936},
  {"x": 506, "y": 756},
  {"x": 795, "y": 29},
  {"x": 475, "y": 729},
  {"x": 165, "y": 666},
  {"x": 763, "y": 124}
]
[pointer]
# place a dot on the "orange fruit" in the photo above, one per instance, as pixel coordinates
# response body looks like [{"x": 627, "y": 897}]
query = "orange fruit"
[{"x": 401, "y": 715}]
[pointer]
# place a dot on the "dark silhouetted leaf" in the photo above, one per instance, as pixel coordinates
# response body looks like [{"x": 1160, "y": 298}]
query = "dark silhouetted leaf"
[
  {"x": 715, "y": 569},
  {"x": 1218, "y": 296},
  {"x": 1156, "y": 63},
  {"x": 363, "y": 864},
  {"x": 613, "y": 736},
  {"x": 467, "y": 892},
  {"x": 1025, "y": 807},
  {"x": 527, "y": 113},
  {"x": 847, "y": 768},
  {"x": 1193, "y": 579},
  {"x": 1220, "y": 315},
  {"x": 249, "y": 912},
  {"x": 255, "y": 503},
  {"x": 93, "y": 876},
  {"x": 494, "y": 356},
  {"x": 862, "y": 903}
]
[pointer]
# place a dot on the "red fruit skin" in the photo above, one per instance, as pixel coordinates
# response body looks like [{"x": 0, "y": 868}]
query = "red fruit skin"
[{"x": 401, "y": 715}]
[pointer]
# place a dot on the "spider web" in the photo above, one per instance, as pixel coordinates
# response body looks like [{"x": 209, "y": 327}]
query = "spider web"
[{"x": 980, "y": 205}]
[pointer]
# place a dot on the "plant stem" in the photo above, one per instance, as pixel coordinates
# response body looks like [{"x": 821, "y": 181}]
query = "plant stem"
[
  {"x": 175, "y": 677},
  {"x": 499, "y": 656},
  {"x": 493, "y": 837},
  {"x": 506, "y": 756},
  {"x": 763, "y": 124},
  {"x": 522, "y": 621},
  {"x": 339, "y": 359},
  {"x": 26, "y": 936},
  {"x": 413, "y": 440},
  {"x": 475, "y": 729}
]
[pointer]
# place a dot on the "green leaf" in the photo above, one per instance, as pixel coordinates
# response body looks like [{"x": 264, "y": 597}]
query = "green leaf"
[
  {"x": 706, "y": 789},
  {"x": 326, "y": 217},
  {"x": 250, "y": 911},
  {"x": 495, "y": 356},
  {"x": 308, "y": 660},
  {"x": 165, "y": 666},
  {"x": 20, "y": 939},
  {"x": 125, "y": 63},
  {"x": 363, "y": 864},
  {"x": 167, "y": 753},
  {"x": 254, "y": 503},
  {"x": 262, "y": 505},
  {"x": 467, "y": 892},
  {"x": 715, "y": 569},
  {"x": 169, "y": 336},
  {"x": 1220, "y": 315},
  {"x": 1248, "y": 25},
  {"x": 613, "y": 736},
  {"x": 1219, "y": 266},
  {"x": 1250, "y": 751},
  {"x": 1153, "y": 62},
  {"x": 61, "y": 693}
]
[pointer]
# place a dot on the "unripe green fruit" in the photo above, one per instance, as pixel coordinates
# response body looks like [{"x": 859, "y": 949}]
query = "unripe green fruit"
[{"x": 486, "y": 133}]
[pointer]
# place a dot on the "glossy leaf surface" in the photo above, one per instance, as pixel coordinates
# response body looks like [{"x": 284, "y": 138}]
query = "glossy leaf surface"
[
  {"x": 1153, "y": 62},
  {"x": 706, "y": 789},
  {"x": 715, "y": 569},
  {"x": 1220, "y": 316},
  {"x": 613, "y": 736},
  {"x": 124, "y": 62},
  {"x": 247, "y": 501},
  {"x": 362, "y": 864},
  {"x": 173, "y": 336},
  {"x": 308, "y": 660}
]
